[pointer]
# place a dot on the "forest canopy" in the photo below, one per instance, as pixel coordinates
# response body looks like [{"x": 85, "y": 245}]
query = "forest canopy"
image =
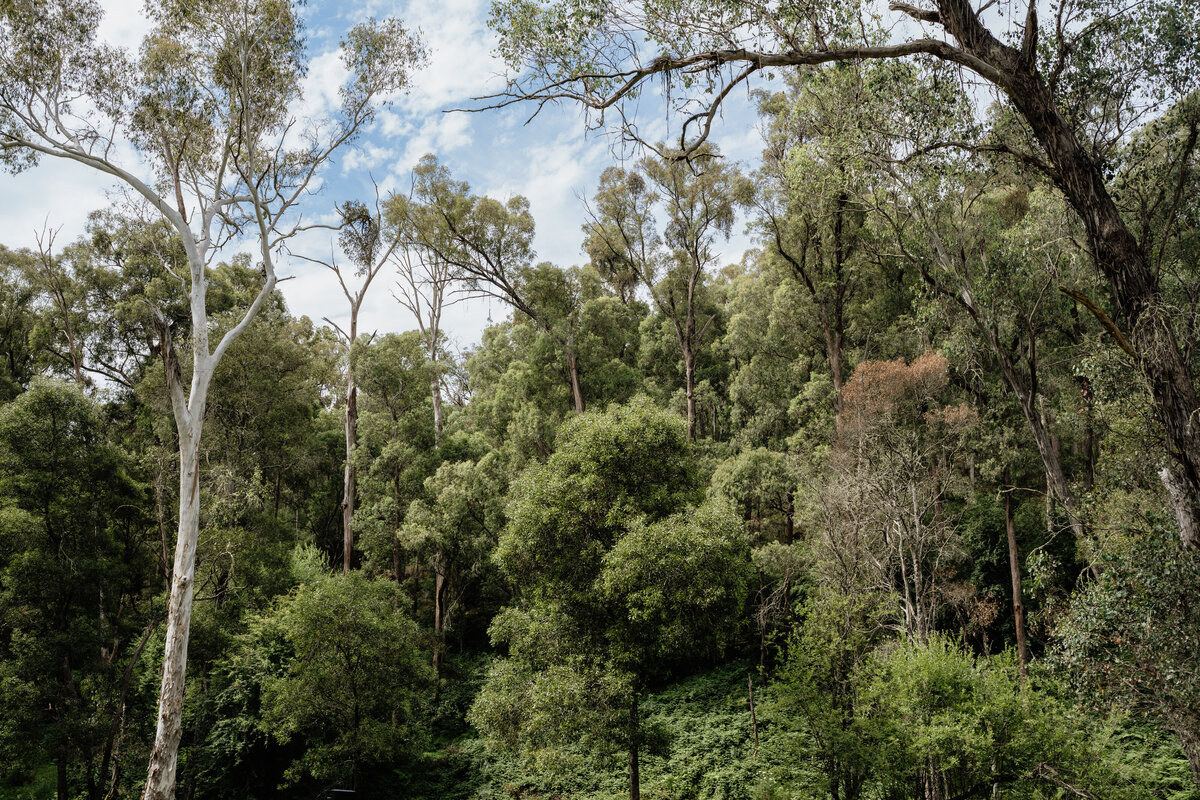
[{"x": 903, "y": 501}]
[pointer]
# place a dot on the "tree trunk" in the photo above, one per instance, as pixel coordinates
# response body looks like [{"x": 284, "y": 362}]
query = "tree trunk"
[
  {"x": 789, "y": 519},
  {"x": 635, "y": 781},
  {"x": 1117, "y": 254},
  {"x": 753, "y": 716},
  {"x": 160, "y": 781},
  {"x": 1014, "y": 568},
  {"x": 435, "y": 388},
  {"x": 689, "y": 377},
  {"x": 64, "y": 790},
  {"x": 118, "y": 723},
  {"x": 573, "y": 371},
  {"x": 1056, "y": 478},
  {"x": 1188, "y": 733},
  {"x": 439, "y": 611},
  {"x": 396, "y": 530},
  {"x": 348, "y": 490}
]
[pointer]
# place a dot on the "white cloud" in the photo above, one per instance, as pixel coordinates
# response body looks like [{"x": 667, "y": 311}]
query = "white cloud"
[
  {"x": 441, "y": 135},
  {"x": 124, "y": 23},
  {"x": 551, "y": 160},
  {"x": 461, "y": 63},
  {"x": 326, "y": 75},
  {"x": 56, "y": 194},
  {"x": 367, "y": 158}
]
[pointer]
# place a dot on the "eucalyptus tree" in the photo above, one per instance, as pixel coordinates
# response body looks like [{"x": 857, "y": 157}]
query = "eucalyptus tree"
[
  {"x": 61, "y": 292},
  {"x": 697, "y": 199},
  {"x": 425, "y": 286},
  {"x": 812, "y": 194},
  {"x": 457, "y": 526},
  {"x": 397, "y": 449},
  {"x": 1077, "y": 80},
  {"x": 206, "y": 103},
  {"x": 620, "y": 234},
  {"x": 366, "y": 245},
  {"x": 997, "y": 254},
  {"x": 124, "y": 267},
  {"x": 488, "y": 246}
]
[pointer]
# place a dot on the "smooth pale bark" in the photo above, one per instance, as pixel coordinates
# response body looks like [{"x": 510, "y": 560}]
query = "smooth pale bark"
[
  {"x": 160, "y": 781},
  {"x": 245, "y": 185},
  {"x": 349, "y": 477},
  {"x": 435, "y": 389},
  {"x": 188, "y": 407}
]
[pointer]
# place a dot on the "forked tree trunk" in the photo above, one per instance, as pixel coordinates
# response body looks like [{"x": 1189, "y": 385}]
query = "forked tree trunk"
[{"x": 160, "y": 782}]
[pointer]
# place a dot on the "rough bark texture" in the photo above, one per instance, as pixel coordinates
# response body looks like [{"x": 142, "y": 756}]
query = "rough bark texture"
[
  {"x": 1182, "y": 501},
  {"x": 1117, "y": 253},
  {"x": 1188, "y": 732}
]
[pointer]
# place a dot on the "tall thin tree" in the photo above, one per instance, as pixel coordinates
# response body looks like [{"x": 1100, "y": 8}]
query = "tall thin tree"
[
  {"x": 206, "y": 103},
  {"x": 363, "y": 242}
]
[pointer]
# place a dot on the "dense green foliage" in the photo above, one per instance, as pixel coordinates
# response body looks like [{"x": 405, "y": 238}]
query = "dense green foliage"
[{"x": 887, "y": 508}]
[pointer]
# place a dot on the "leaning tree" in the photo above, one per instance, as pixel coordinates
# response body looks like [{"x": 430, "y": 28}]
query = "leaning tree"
[
  {"x": 198, "y": 127},
  {"x": 1078, "y": 77}
]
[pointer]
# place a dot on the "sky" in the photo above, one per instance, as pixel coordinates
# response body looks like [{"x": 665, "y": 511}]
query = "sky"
[{"x": 552, "y": 160}]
